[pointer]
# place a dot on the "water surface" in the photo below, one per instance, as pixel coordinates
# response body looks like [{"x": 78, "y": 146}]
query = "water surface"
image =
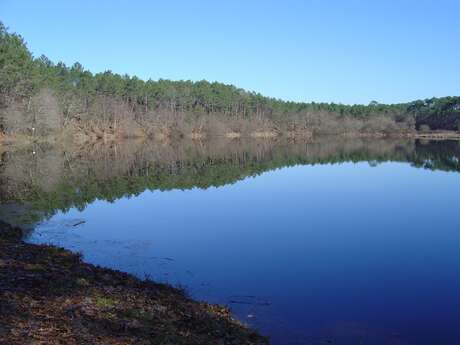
[{"x": 329, "y": 242}]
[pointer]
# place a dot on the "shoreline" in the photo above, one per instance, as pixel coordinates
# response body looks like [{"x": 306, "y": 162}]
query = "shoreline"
[
  {"x": 438, "y": 136},
  {"x": 60, "y": 138},
  {"x": 48, "y": 293}
]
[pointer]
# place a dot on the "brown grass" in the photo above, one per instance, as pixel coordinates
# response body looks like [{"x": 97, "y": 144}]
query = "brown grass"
[
  {"x": 197, "y": 135},
  {"x": 264, "y": 134},
  {"x": 233, "y": 135},
  {"x": 49, "y": 295}
]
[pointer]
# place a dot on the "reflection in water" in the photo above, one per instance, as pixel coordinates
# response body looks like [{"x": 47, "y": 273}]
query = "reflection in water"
[
  {"x": 47, "y": 178},
  {"x": 320, "y": 252}
]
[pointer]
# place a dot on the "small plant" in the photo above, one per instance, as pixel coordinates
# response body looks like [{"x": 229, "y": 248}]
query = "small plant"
[
  {"x": 82, "y": 282},
  {"x": 105, "y": 302}
]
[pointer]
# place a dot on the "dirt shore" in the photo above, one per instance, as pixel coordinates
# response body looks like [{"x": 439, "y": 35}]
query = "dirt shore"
[
  {"x": 68, "y": 137},
  {"x": 49, "y": 296},
  {"x": 442, "y": 135},
  {"x": 434, "y": 135}
]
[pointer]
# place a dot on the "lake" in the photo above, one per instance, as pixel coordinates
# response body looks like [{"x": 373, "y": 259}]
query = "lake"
[{"x": 332, "y": 241}]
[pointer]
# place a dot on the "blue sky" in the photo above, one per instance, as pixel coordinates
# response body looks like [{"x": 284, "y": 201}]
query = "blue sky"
[{"x": 333, "y": 51}]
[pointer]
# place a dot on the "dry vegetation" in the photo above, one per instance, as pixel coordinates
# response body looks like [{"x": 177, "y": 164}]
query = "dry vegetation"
[
  {"x": 39, "y": 98},
  {"x": 108, "y": 119},
  {"x": 48, "y": 296}
]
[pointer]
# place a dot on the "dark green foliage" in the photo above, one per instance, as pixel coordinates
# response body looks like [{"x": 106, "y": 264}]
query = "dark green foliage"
[
  {"x": 17, "y": 78},
  {"x": 78, "y": 89},
  {"x": 437, "y": 113}
]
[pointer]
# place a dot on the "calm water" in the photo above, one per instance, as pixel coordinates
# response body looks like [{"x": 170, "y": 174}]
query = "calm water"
[{"x": 354, "y": 242}]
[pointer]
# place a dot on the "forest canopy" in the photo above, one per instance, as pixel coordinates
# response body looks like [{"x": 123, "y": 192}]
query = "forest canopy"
[{"x": 38, "y": 93}]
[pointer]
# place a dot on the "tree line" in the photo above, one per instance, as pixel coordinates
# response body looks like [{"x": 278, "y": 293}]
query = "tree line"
[{"x": 37, "y": 93}]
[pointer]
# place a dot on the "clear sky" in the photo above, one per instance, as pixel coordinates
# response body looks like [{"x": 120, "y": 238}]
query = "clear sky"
[{"x": 334, "y": 51}]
